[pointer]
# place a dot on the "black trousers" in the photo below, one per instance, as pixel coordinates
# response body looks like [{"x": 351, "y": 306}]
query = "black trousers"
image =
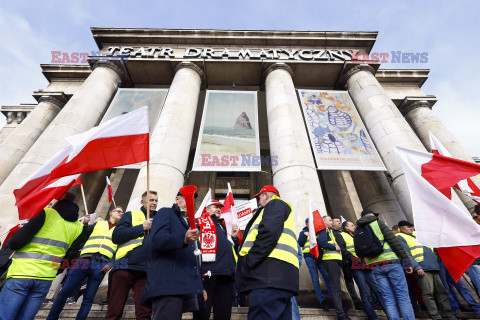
[
  {"x": 349, "y": 283},
  {"x": 334, "y": 268},
  {"x": 167, "y": 308},
  {"x": 219, "y": 296}
]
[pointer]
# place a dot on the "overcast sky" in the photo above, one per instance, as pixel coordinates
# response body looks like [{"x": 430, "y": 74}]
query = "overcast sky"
[{"x": 448, "y": 31}]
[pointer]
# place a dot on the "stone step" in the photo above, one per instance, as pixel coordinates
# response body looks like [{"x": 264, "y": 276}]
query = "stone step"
[{"x": 98, "y": 312}]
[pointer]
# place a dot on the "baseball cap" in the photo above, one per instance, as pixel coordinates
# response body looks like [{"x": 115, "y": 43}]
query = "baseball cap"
[{"x": 267, "y": 188}]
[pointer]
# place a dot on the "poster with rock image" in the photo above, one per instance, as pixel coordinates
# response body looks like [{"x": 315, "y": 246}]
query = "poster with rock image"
[{"x": 228, "y": 139}]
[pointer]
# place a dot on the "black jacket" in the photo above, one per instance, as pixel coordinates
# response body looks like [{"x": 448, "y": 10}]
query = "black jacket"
[
  {"x": 255, "y": 270},
  {"x": 389, "y": 237},
  {"x": 173, "y": 268},
  {"x": 68, "y": 210},
  {"x": 224, "y": 264},
  {"x": 137, "y": 258}
]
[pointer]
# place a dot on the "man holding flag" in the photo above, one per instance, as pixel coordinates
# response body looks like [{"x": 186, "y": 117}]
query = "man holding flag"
[
  {"x": 218, "y": 264},
  {"x": 268, "y": 265}
]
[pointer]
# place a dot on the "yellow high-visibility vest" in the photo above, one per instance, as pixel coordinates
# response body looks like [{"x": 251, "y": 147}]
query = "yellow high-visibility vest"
[
  {"x": 286, "y": 248},
  {"x": 138, "y": 218},
  {"x": 416, "y": 250},
  {"x": 349, "y": 242},
  {"x": 100, "y": 241},
  {"x": 42, "y": 256},
  {"x": 331, "y": 254},
  {"x": 388, "y": 253},
  {"x": 306, "y": 246}
]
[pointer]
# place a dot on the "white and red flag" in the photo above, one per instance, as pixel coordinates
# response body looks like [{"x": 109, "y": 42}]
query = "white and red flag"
[
  {"x": 467, "y": 186},
  {"x": 229, "y": 214},
  {"x": 439, "y": 223},
  {"x": 315, "y": 225},
  {"x": 120, "y": 141},
  {"x": 110, "y": 191},
  {"x": 203, "y": 206}
]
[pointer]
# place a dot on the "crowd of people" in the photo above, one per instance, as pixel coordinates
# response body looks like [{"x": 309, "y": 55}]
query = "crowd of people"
[{"x": 173, "y": 268}]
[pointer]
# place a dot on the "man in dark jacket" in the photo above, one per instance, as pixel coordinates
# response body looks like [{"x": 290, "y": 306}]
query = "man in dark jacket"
[
  {"x": 267, "y": 266},
  {"x": 425, "y": 263},
  {"x": 219, "y": 274},
  {"x": 173, "y": 273},
  {"x": 314, "y": 265},
  {"x": 130, "y": 268},
  {"x": 387, "y": 267}
]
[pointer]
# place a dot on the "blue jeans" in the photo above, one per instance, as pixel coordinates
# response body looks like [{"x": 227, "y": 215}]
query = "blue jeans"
[
  {"x": 270, "y": 304},
  {"x": 21, "y": 298},
  {"x": 82, "y": 269},
  {"x": 295, "y": 310},
  {"x": 360, "y": 277},
  {"x": 313, "y": 265},
  {"x": 392, "y": 284},
  {"x": 474, "y": 273},
  {"x": 449, "y": 284}
]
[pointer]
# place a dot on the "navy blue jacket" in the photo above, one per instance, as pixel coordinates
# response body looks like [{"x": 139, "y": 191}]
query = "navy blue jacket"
[
  {"x": 302, "y": 238},
  {"x": 224, "y": 264},
  {"x": 137, "y": 258},
  {"x": 173, "y": 269},
  {"x": 323, "y": 239},
  {"x": 430, "y": 259}
]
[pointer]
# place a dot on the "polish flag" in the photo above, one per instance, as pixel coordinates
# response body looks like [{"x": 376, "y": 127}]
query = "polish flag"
[
  {"x": 120, "y": 141},
  {"x": 467, "y": 186},
  {"x": 11, "y": 232},
  {"x": 315, "y": 225},
  {"x": 229, "y": 214},
  {"x": 439, "y": 223},
  {"x": 33, "y": 203},
  {"x": 203, "y": 206},
  {"x": 110, "y": 191}
]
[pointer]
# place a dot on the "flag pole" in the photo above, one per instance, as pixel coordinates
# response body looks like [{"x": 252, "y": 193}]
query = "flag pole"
[
  {"x": 84, "y": 200},
  {"x": 148, "y": 189},
  {"x": 113, "y": 200}
]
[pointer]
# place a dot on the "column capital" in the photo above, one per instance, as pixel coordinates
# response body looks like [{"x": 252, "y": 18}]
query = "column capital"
[
  {"x": 277, "y": 66},
  {"x": 406, "y": 108},
  {"x": 361, "y": 67},
  {"x": 118, "y": 68},
  {"x": 58, "y": 99},
  {"x": 194, "y": 67}
]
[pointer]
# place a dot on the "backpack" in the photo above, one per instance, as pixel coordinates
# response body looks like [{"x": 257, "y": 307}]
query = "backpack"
[{"x": 367, "y": 244}]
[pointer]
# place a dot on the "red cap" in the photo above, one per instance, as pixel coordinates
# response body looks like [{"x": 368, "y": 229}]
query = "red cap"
[
  {"x": 215, "y": 203},
  {"x": 267, "y": 188}
]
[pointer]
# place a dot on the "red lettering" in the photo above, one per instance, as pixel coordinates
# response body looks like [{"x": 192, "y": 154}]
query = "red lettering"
[
  {"x": 75, "y": 57},
  {"x": 65, "y": 264},
  {"x": 384, "y": 56},
  {"x": 215, "y": 161},
  {"x": 83, "y": 56},
  {"x": 375, "y": 56},
  {"x": 206, "y": 160},
  {"x": 234, "y": 160},
  {"x": 224, "y": 160},
  {"x": 55, "y": 58}
]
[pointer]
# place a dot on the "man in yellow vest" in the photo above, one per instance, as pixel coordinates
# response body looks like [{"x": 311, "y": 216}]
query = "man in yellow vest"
[
  {"x": 40, "y": 247},
  {"x": 268, "y": 265},
  {"x": 332, "y": 260},
  {"x": 428, "y": 273},
  {"x": 387, "y": 267},
  {"x": 93, "y": 263},
  {"x": 133, "y": 251}
]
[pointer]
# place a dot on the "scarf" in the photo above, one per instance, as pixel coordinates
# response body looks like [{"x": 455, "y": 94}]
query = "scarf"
[{"x": 208, "y": 239}]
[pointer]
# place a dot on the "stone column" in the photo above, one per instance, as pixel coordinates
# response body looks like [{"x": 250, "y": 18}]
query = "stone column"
[
  {"x": 81, "y": 113},
  {"x": 17, "y": 143},
  {"x": 375, "y": 193},
  {"x": 295, "y": 176},
  {"x": 171, "y": 138},
  {"x": 421, "y": 118}
]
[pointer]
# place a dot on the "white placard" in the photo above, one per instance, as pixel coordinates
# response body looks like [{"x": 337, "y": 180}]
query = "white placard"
[{"x": 244, "y": 212}]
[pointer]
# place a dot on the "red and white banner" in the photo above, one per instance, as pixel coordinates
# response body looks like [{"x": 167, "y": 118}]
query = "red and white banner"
[
  {"x": 208, "y": 238},
  {"x": 119, "y": 141},
  {"x": 439, "y": 223},
  {"x": 315, "y": 225},
  {"x": 467, "y": 186},
  {"x": 110, "y": 191},
  {"x": 229, "y": 214}
]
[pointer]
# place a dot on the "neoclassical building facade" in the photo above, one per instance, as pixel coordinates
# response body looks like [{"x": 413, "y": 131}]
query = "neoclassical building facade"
[{"x": 188, "y": 63}]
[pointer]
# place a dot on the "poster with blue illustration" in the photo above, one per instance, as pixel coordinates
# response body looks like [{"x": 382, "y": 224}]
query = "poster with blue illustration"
[{"x": 338, "y": 136}]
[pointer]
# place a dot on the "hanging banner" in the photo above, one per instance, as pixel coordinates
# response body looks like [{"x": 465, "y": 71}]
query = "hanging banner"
[
  {"x": 128, "y": 99},
  {"x": 245, "y": 212},
  {"x": 228, "y": 137},
  {"x": 338, "y": 136}
]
